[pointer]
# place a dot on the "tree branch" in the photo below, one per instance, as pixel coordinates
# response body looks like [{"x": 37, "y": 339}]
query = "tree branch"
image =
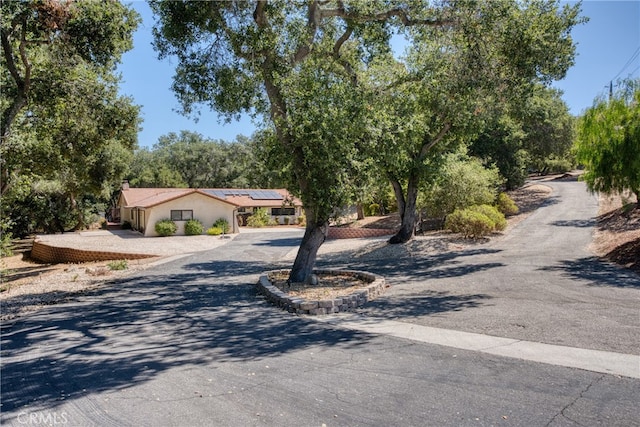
[
  {"x": 259, "y": 15},
  {"x": 314, "y": 18},
  {"x": 426, "y": 147}
]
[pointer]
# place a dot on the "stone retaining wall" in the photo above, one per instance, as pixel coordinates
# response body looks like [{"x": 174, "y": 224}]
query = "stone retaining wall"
[
  {"x": 329, "y": 306},
  {"x": 57, "y": 255},
  {"x": 357, "y": 233}
]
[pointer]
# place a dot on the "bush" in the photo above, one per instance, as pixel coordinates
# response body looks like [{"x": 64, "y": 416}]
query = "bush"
[
  {"x": 506, "y": 205},
  {"x": 118, "y": 265},
  {"x": 374, "y": 210},
  {"x": 126, "y": 225},
  {"x": 491, "y": 212},
  {"x": 554, "y": 164},
  {"x": 469, "y": 223},
  {"x": 193, "y": 227},
  {"x": 461, "y": 182},
  {"x": 214, "y": 231},
  {"x": 260, "y": 218},
  {"x": 222, "y": 224},
  {"x": 302, "y": 220},
  {"x": 166, "y": 227}
]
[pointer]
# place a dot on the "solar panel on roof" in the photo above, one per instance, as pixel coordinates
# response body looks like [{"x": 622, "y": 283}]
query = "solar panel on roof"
[
  {"x": 264, "y": 195},
  {"x": 254, "y": 194}
]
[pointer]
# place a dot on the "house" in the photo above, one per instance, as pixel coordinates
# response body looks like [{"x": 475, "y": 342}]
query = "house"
[{"x": 143, "y": 207}]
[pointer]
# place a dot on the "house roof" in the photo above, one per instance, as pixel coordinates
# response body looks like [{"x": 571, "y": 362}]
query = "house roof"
[{"x": 149, "y": 197}]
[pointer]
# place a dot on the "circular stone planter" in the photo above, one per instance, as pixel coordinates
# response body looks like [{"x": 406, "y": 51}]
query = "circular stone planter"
[{"x": 375, "y": 286}]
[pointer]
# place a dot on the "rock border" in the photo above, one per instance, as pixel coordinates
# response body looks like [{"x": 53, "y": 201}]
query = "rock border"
[{"x": 326, "y": 306}]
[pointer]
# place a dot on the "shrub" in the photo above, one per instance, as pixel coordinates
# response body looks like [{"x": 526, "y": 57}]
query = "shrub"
[
  {"x": 260, "y": 218},
  {"x": 374, "y": 209},
  {"x": 214, "y": 231},
  {"x": 121, "y": 264},
  {"x": 497, "y": 217},
  {"x": 461, "y": 182},
  {"x": 126, "y": 225},
  {"x": 193, "y": 227},
  {"x": 222, "y": 224},
  {"x": 506, "y": 205},
  {"x": 554, "y": 164},
  {"x": 166, "y": 227},
  {"x": 302, "y": 220},
  {"x": 469, "y": 223}
]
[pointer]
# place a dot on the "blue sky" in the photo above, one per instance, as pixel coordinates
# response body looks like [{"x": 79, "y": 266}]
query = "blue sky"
[{"x": 608, "y": 47}]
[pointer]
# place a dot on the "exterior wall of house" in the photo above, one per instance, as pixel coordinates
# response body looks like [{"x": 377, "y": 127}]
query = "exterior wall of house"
[
  {"x": 205, "y": 209},
  {"x": 282, "y": 219}
]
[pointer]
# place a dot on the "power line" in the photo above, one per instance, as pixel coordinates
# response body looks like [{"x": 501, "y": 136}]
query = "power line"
[{"x": 634, "y": 56}]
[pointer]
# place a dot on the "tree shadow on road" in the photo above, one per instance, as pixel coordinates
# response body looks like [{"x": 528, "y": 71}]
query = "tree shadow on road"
[
  {"x": 421, "y": 304},
  {"x": 597, "y": 273},
  {"x": 130, "y": 331}
]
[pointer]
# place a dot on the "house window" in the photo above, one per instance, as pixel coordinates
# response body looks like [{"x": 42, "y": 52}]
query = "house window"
[
  {"x": 181, "y": 215},
  {"x": 283, "y": 211}
]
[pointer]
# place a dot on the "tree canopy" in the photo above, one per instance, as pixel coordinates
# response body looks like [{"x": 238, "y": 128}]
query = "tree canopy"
[
  {"x": 608, "y": 141},
  {"x": 66, "y": 132},
  {"x": 316, "y": 71}
]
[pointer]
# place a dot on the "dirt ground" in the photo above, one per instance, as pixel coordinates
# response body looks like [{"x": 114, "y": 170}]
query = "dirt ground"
[
  {"x": 617, "y": 236},
  {"x": 26, "y": 286}
]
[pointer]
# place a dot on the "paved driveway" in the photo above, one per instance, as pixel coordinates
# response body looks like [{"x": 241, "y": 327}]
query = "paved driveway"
[
  {"x": 539, "y": 283},
  {"x": 189, "y": 343}
]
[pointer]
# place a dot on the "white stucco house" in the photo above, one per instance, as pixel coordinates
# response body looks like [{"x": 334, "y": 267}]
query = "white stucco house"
[{"x": 143, "y": 207}]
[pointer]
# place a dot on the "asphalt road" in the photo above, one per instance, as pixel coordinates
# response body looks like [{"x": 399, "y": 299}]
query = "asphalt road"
[{"x": 189, "y": 343}]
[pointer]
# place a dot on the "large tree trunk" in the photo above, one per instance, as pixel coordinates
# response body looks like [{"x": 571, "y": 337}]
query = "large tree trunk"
[
  {"x": 407, "y": 207},
  {"x": 314, "y": 236}
]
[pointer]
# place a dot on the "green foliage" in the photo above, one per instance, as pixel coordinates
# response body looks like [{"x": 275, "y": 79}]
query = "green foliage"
[
  {"x": 193, "y": 227},
  {"x": 214, "y": 231},
  {"x": 121, "y": 264},
  {"x": 506, "y": 205},
  {"x": 461, "y": 182},
  {"x": 469, "y": 223},
  {"x": 166, "y": 227},
  {"x": 554, "y": 164},
  {"x": 260, "y": 218},
  {"x": 69, "y": 132},
  {"x": 491, "y": 212},
  {"x": 608, "y": 141},
  {"x": 5, "y": 238},
  {"x": 222, "y": 224},
  {"x": 529, "y": 134},
  {"x": 373, "y": 209}
]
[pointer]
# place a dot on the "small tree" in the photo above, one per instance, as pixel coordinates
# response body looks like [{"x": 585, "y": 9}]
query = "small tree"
[{"x": 608, "y": 141}]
